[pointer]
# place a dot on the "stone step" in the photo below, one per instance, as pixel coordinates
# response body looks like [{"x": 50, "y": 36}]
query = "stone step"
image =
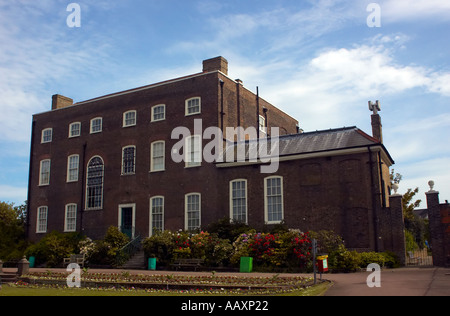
[
  {"x": 137, "y": 262},
  {"x": 8, "y": 277}
]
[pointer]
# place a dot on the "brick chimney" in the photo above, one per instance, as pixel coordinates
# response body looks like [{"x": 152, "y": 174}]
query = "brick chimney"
[
  {"x": 60, "y": 101},
  {"x": 217, "y": 63}
]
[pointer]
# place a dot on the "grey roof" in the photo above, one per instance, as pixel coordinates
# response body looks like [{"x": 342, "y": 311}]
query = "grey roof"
[
  {"x": 324, "y": 141},
  {"x": 311, "y": 142}
]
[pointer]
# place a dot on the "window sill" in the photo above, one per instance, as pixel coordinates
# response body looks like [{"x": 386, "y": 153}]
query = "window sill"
[
  {"x": 194, "y": 166},
  {"x": 192, "y": 114},
  {"x": 156, "y": 171}
]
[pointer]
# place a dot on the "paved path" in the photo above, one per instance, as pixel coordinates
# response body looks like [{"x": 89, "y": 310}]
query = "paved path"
[{"x": 395, "y": 282}]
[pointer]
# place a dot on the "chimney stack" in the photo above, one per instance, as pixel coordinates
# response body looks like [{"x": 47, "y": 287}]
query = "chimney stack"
[
  {"x": 217, "y": 63},
  {"x": 377, "y": 127},
  {"x": 60, "y": 101}
]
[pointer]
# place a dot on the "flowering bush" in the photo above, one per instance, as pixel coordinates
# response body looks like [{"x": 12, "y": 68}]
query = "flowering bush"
[
  {"x": 168, "y": 246},
  {"x": 291, "y": 249},
  {"x": 302, "y": 249},
  {"x": 182, "y": 249}
]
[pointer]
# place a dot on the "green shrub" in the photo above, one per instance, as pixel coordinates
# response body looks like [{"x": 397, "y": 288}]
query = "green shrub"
[
  {"x": 391, "y": 260},
  {"x": 53, "y": 248},
  {"x": 372, "y": 257},
  {"x": 346, "y": 261},
  {"x": 105, "y": 251},
  {"x": 161, "y": 246}
]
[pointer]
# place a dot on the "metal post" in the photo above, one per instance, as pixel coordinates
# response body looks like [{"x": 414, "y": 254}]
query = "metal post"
[{"x": 314, "y": 249}]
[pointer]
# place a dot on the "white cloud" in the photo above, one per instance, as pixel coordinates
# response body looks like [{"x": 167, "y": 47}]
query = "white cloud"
[
  {"x": 38, "y": 53},
  {"x": 401, "y": 10},
  {"x": 332, "y": 89}
]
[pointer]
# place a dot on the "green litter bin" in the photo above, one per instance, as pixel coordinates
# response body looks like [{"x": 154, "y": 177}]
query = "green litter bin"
[
  {"x": 32, "y": 261},
  {"x": 152, "y": 264},
  {"x": 246, "y": 264}
]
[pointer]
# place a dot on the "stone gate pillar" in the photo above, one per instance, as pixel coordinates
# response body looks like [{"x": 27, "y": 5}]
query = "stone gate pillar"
[
  {"x": 436, "y": 231},
  {"x": 398, "y": 227}
]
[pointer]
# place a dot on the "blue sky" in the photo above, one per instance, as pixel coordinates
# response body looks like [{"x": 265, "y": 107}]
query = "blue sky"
[{"x": 319, "y": 61}]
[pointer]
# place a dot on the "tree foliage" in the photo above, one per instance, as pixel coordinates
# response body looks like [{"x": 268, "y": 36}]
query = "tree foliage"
[
  {"x": 12, "y": 231},
  {"x": 416, "y": 227}
]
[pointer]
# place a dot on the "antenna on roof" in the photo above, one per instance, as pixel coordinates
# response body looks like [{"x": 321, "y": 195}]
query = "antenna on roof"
[{"x": 374, "y": 107}]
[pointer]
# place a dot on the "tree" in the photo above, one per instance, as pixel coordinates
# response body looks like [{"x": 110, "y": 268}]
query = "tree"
[
  {"x": 12, "y": 231},
  {"x": 418, "y": 227}
]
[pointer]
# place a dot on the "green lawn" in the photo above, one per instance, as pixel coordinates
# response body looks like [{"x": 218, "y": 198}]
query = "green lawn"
[{"x": 8, "y": 290}]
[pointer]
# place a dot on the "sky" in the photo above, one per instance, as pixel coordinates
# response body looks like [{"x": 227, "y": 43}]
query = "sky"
[{"x": 319, "y": 61}]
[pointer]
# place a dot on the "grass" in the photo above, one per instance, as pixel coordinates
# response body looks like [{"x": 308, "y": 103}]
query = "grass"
[{"x": 12, "y": 290}]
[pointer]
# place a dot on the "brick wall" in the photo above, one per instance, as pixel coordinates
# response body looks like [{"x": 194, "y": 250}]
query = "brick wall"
[
  {"x": 137, "y": 189},
  {"x": 439, "y": 216}
]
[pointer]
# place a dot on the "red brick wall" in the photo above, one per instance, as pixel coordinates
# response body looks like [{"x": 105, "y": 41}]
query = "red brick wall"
[{"x": 173, "y": 183}]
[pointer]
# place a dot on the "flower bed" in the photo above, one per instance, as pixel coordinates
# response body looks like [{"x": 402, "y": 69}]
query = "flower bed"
[{"x": 170, "y": 282}]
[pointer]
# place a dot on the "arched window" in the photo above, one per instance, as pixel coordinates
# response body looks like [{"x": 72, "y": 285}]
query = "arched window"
[{"x": 94, "y": 184}]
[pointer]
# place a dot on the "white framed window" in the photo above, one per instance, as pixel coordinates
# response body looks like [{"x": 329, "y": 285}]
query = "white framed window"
[
  {"x": 75, "y": 130},
  {"x": 156, "y": 214},
  {"x": 262, "y": 124},
  {"x": 129, "y": 118},
  {"x": 193, "y": 154},
  {"x": 47, "y": 135},
  {"x": 192, "y": 211},
  {"x": 70, "y": 221},
  {"x": 44, "y": 172},
  {"x": 157, "y": 162},
  {"x": 94, "y": 183},
  {"x": 41, "y": 223},
  {"x": 96, "y": 125},
  {"x": 238, "y": 200},
  {"x": 73, "y": 166},
  {"x": 273, "y": 200},
  {"x": 193, "y": 106},
  {"x": 128, "y": 160},
  {"x": 159, "y": 113}
]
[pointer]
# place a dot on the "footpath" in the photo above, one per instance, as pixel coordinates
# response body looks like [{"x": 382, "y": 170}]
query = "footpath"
[{"x": 394, "y": 282}]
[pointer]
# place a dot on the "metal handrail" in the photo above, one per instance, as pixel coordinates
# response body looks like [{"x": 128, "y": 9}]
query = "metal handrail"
[{"x": 130, "y": 249}]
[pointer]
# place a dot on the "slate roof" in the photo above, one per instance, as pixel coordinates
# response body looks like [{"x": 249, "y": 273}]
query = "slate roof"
[{"x": 314, "y": 142}]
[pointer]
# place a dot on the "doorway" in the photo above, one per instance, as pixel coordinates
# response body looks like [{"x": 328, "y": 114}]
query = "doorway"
[{"x": 127, "y": 219}]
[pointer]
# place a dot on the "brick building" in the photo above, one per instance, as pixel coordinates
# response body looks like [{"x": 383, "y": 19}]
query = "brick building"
[{"x": 110, "y": 161}]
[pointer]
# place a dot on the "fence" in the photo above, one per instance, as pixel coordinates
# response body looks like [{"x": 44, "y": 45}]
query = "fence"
[{"x": 421, "y": 257}]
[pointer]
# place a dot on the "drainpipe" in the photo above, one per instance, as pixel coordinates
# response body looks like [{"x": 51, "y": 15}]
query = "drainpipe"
[
  {"x": 257, "y": 112},
  {"x": 83, "y": 184},
  {"x": 221, "y": 104},
  {"x": 266, "y": 122},
  {"x": 374, "y": 200},
  {"x": 383, "y": 190},
  {"x": 238, "y": 105}
]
